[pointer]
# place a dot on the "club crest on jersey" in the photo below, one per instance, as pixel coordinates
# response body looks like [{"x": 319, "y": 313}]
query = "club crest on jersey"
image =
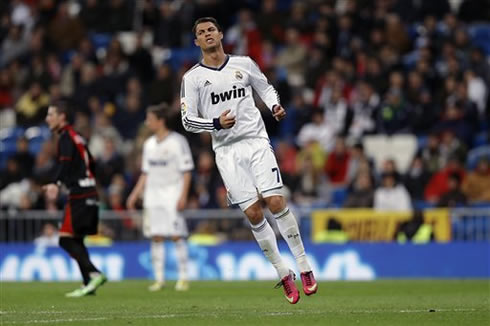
[
  {"x": 238, "y": 75},
  {"x": 183, "y": 108},
  {"x": 228, "y": 95}
]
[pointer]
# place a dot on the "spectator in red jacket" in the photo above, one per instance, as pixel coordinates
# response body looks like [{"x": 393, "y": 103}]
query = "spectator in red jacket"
[
  {"x": 337, "y": 163},
  {"x": 439, "y": 183}
]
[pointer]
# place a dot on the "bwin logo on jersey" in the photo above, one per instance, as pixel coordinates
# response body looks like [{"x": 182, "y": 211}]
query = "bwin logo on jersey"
[{"x": 228, "y": 95}]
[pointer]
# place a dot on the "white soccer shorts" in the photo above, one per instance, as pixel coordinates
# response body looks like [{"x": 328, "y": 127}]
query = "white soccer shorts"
[
  {"x": 249, "y": 167},
  {"x": 165, "y": 222}
]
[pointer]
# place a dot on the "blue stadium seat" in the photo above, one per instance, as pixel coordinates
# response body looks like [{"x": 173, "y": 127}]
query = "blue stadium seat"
[
  {"x": 476, "y": 154},
  {"x": 422, "y": 204},
  {"x": 100, "y": 40},
  {"x": 37, "y": 136},
  {"x": 480, "y": 35},
  {"x": 480, "y": 139},
  {"x": 338, "y": 196}
]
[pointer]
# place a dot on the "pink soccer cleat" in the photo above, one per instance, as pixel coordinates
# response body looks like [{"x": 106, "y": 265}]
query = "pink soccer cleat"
[
  {"x": 290, "y": 290},
  {"x": 309, "y": 283}
]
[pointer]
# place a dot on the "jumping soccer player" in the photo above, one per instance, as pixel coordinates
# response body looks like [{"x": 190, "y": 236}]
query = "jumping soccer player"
[{"x": 216, "y": 97}]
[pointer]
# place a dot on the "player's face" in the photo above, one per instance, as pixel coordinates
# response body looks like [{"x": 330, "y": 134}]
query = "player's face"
[
  {"x": 152, "y": 122},
  {"x": 53, "y": 119},
  {"x": 207, "y": 36}
]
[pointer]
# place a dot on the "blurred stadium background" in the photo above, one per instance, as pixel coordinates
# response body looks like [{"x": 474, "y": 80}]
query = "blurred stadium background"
[{"x": 386, "y": 139}]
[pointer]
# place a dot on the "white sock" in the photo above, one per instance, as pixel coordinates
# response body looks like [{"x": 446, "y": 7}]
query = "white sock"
[
  {"x": 266, "y": 239},
  {"x": 158, "y": 260},
  {"x": 182, "y": 258},
  {"x": 286, "y": 222}
]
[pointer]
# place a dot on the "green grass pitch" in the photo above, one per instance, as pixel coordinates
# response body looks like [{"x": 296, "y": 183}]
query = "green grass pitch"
[{"x": 387, "y": 302}]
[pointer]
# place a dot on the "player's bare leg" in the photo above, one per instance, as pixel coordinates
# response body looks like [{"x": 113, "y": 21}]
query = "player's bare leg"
[
  {"x": 157, "y": 249},
  {"x": 288, "y": 226},
  {"x": 182, "y": 259},
  {"x": 266, "y": 239}
]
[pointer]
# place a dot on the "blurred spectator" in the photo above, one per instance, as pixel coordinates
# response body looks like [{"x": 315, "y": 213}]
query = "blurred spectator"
[
  {"x": 109, "y": 163},
  {"x": 416, "y": 178},
  {"x": 23, "y": 157},
  {"x": 162, "y": 88},
  {"x": 391, "y": 196},
  {"x": 270, "y": 21},
  {"x": 117, "y": 16},
  {"x": 93, "y": 16},
  {"x": 393, "y": 113},
  {"x": 358, "y": 157},
  {"x": 32, "y": 105},
  {"x": 477, "y": 90},
  {"x": 364, "y": 110},
  {"x": 476, "y": 185},
  {"x": 453, "y": 197},
  {"x": 14, "y": 45},
  {"x": 206, "y": 180},
  {"x": 362, "y": 193},
  {"x": 49, "y": 236},
  {"x": 44, "y": 167},
  {"x": 286, "y": 158},
  {"x": 168, "y": 26},
  {"x": 129, "y": 117},
  {"x": 103, "y": 129},
  {"x": 65, "y": 31},
  {"x": 12, "y": 173},
  {"x": 337, "y": 165},
  {"x": 292, "y": 57},
  {"x": 317, "y": 131},
  {"x": 307, "y": 189},
  {"x": 431, "y": 154},
  {"x": 439, "y": 183},
  {"x": 450, "y": 146}
]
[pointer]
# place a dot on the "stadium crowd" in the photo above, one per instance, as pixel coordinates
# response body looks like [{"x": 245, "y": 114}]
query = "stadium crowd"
[{"x": 346, "y": 71}]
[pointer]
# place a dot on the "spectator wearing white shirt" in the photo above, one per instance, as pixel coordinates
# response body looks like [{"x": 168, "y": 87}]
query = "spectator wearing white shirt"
[
  {"x": 391, "y": 196},
  {"x": 317, "y": 131}
]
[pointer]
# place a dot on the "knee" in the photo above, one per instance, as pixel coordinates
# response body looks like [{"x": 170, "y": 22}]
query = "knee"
[
  {"x": 275, "y": 203},
  {"x": 254, "y": 214}
]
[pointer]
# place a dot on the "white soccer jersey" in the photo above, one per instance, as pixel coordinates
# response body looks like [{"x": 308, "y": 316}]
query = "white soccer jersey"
[
  {"x": 164, "y": 164},
  {"x": 206, "y": 92}
]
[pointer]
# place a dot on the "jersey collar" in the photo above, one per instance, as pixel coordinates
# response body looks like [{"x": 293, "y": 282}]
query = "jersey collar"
[{"x": 219, "y": 68}]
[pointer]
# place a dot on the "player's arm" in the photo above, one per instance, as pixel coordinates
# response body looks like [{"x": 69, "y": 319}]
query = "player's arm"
[
  {"x": 182, "y": 203},
  {"x": 192, "y": 122},
  {"x": 186, "y": 165},
  {"x": 137, "y": 191},
  {"x": 65, "y": 156},
  {"x": 266, "y": 91}
]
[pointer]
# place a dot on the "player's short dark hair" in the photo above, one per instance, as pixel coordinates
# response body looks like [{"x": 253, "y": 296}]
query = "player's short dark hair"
[
  {"x": 62, "y": 107},
  {"x": 161, "y": 111},
  {"x": 205, "y": 20}
]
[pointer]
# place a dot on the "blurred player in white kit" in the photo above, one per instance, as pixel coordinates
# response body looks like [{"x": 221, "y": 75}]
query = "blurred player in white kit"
[
  {"x": 216, "y": 97},
  {"x": 164, "y": 182}
]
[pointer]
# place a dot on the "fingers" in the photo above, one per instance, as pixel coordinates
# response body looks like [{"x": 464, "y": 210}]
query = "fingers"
[
  {"x": 227, "y": 121},
  {"x": 279, "y": 113}
]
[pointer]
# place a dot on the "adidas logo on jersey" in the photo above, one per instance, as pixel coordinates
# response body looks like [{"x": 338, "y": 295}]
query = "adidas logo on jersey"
[
  {"x": 228, "y": 95},
  {"x": 207, "y": 83}
]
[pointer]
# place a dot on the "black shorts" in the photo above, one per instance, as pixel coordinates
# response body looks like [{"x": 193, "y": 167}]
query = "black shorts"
[{"x": 81, "y": 216}]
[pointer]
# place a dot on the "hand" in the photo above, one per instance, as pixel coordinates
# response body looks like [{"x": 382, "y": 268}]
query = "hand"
[
  {"x": 51, "y": 191},
  {"x": 225, "y": 121},
  {"x": 131, "y": 202},
  {"x": 182, "y": 203},
  {"x": 278, "y": 112}
]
